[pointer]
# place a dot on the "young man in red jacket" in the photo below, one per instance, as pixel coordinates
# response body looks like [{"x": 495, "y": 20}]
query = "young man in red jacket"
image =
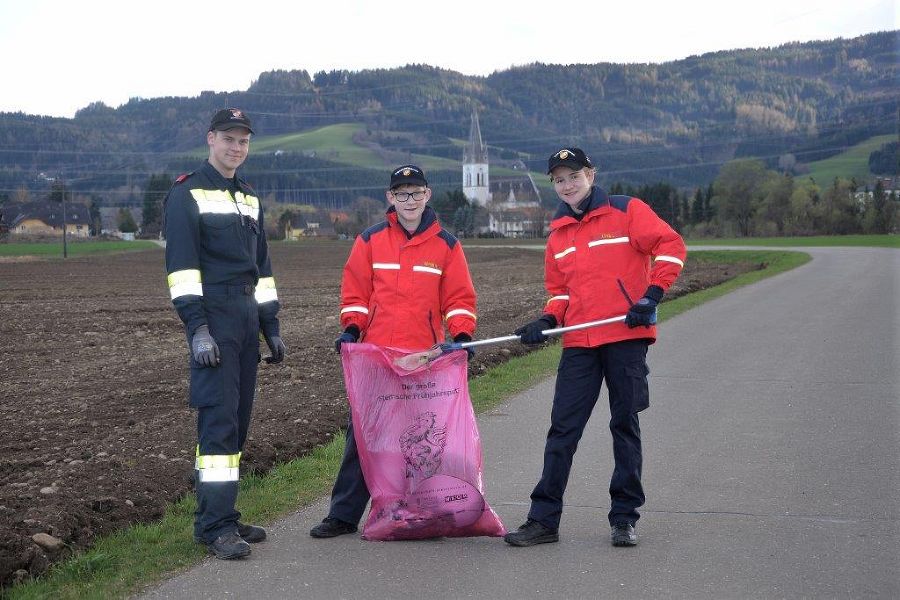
[
  {"x": 406, "y": 278},
  {"x": 603, "y": 252}
]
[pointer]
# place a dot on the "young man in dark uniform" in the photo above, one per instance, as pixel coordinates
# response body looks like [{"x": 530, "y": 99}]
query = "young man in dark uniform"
[
  {"x": 221, "y": 284},
  {"x": 602, "y": 253}
]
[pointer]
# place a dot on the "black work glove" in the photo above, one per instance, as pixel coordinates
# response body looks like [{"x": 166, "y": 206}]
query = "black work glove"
[
  {"x": 204, "y": 348},
  {"x": 350, "y": 336},
  {"x": 461, "y": 338},
  {"x": 643, "y": 312},
  {"x": 276, "y": 347},
  {"x": 531, "y": 332}
]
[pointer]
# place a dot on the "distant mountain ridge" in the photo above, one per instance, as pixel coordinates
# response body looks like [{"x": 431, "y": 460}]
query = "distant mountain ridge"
[{"x": 677, "y": 121}]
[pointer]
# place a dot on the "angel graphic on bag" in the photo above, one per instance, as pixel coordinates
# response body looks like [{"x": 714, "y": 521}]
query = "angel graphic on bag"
[{"x": 422, "y": 445}]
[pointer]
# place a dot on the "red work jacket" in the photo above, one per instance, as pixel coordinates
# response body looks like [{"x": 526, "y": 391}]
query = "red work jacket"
[
  {"x": 401, "y": 289},
  {"x": 596, "y": 267}
]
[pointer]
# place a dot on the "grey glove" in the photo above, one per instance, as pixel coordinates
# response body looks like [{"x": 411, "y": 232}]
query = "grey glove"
[
  {"x": 276, "y": 347},
  {"x": 204, "y": 348}
]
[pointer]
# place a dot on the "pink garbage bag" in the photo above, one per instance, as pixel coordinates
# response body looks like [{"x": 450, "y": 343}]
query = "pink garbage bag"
[{"x": 418, "y": 445}]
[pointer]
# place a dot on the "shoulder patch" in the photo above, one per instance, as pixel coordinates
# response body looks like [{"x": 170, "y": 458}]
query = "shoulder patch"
[
  {"x": 368, "y": 233},
  {"x": 182, "y": 177},
  {"x": 448, "y": 237},
  {"x": 620, "y": 202}
]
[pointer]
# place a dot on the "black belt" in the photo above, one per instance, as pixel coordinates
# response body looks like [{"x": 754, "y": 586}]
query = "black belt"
[{"x": 229, "y": 289}]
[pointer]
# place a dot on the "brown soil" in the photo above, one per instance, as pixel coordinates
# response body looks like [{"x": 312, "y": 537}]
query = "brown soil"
[{"x": 96, "y": 433}]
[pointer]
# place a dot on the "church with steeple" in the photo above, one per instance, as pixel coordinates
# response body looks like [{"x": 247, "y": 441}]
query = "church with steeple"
[
  {"x": 476, "y": 180},
  {"x": 511, "y": 204}
]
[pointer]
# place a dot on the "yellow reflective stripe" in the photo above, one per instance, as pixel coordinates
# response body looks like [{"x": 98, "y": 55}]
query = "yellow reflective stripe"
[
  {"x": 618, "y": 240},
  {"x": 217, "y": 461},
  {"x": 671, "y": 259},
  {"x": 185, "y": 283},
  {"x": 460, "y": 311},
  {"x": 222, "y": 202},
  {"x": 359, "y": 309},
  {"x": 422, "y": 269},
  {"x": 559, "y": 255},
  {"x": 265, "y": 290}
]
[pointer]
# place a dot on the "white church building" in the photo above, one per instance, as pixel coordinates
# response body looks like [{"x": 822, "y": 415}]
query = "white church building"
[{"x": 511, "y": 204}]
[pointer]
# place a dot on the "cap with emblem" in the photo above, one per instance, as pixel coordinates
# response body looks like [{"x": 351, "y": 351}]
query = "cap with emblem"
[
  {"x": 574, "y": 158},
  {"x": 408, "y": 175},
  {"x": 230, "y": 118}
]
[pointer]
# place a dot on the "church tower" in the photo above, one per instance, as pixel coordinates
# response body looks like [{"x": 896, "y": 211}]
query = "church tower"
[{"x": 476, "y": 185}]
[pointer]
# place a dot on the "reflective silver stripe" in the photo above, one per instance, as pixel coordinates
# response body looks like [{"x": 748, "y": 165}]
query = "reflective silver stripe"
[
  {"x": 385, "y": 265},
  {"x": 559, "y": 255},
  {"x": 677, "y": 261},
  {"x": 217, "y": 467},
  {"x": 460, "y": 311},
  {"x": 222, "y": 202},
  {"x": 422, "y": 269},
  {"x": 185, "y": 283},
  {"x": 219, "y": 474},
  {"x": 557, "y": 298},
  {"x": 265, "y": 290},
  {"x": 618, "y": 240},
  {"x": 359, "y": 309}
]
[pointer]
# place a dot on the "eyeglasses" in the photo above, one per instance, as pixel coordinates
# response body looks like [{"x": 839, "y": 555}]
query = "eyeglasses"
[{"x": 404, "y": 196}]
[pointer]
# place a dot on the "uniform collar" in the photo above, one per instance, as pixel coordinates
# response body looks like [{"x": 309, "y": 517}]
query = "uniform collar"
[
  {"x": 429, "y": 218},
  {"x": 218, "y": 180},
  {"x": 596, "y": 203}
]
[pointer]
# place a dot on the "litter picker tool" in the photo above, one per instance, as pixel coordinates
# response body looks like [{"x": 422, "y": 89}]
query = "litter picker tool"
[{"x": 413, "y": 361}]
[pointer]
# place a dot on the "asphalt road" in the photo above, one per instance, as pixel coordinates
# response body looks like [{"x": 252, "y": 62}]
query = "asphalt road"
[{"x": 772, "y": 469}]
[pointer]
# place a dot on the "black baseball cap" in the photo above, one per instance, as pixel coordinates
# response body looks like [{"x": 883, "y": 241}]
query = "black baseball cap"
[
  {"x": 574, "y": 158},
  {"x": 408, "y": 174},
  {"x": 230, "y": 118}
]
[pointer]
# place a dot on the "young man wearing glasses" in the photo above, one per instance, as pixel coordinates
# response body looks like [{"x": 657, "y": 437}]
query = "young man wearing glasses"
[{"x": 406, "y": 278}]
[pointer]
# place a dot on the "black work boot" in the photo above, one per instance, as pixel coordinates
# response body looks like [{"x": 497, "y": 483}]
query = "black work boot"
[
  {"x": 251, "y": 533},
  {"x": 331, "y": 527},
  {"x": 531, "y": 533},
  {"x": 623, "y": 535},
  {"x": 228, "y": 546}
]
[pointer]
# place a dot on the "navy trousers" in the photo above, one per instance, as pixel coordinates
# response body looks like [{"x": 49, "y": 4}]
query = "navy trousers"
[
  {"x": 350, "y": 493},
  {"x": 580, "y": 374},
  {"x": 223, "y": 397}
]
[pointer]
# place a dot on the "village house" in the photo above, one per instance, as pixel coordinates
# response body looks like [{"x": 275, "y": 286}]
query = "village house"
[{"x": 46, "y": 218}]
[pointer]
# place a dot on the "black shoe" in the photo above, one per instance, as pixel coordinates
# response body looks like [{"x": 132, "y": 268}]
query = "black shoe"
[
  {"x": 251, "y": 533},
  {"x": 332, "y": 527},
  {"x": 531, "y": 533},
  {"x": 623, "y": 535},
  {"x": 228, "y": 546}
]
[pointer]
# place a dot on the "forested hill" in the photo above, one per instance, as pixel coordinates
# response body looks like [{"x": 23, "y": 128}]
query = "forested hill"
[{"x": 677, "y": 121}]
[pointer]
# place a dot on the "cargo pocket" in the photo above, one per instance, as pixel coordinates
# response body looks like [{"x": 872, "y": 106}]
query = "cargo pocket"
[
  {"x": 207, "y": 385},
  {"x": 640, "y": 390}
]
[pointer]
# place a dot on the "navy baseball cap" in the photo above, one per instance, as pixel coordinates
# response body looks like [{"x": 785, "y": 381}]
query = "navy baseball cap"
[
  {"x": 574, "y": 158},
  {"x": 230, "y": 118},
  {"x": 408, "y": 175}
]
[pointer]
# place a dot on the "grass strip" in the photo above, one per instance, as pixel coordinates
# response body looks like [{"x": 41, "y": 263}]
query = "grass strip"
[
  {"x": 877, "y": 240},
  {"x": 126, "y": 561}
]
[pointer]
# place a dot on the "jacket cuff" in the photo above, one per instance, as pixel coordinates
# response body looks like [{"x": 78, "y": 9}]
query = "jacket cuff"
[
  {"x": 655, "y": 292},
  {"x": 270, "y": 328}
]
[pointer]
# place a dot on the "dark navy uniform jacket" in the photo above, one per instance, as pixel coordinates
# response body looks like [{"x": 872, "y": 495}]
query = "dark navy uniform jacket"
[{"x": 215, "y": 235}]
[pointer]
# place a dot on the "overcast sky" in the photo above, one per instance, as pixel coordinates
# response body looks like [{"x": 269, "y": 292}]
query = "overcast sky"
[{"x": 59, "y": 56}]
